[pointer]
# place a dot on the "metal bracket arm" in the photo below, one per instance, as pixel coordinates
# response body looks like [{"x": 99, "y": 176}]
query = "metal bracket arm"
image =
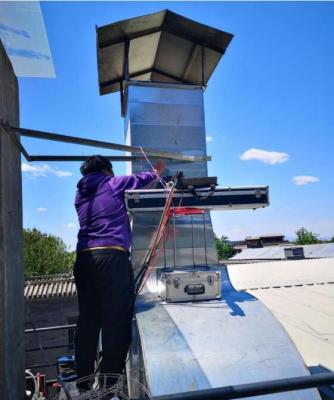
[{"x": 107, "y": 145}]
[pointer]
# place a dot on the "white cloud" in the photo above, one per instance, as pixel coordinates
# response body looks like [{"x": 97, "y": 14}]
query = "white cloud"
[
  {"x": 70, "y": 225},
  {"x": 61, "y": 174},
  {"x": 35, "y": 170},
  {"x": 304, "y": 180},
  {"x": 43, "y": 170},
  {"x": 209, "y": 138},
  {"x": 267, "y": 157},
  {"x": 41, "y": 209}
]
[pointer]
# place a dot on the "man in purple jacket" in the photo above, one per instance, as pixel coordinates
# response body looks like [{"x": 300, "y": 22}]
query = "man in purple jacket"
[{"x": 103, "y": 272}]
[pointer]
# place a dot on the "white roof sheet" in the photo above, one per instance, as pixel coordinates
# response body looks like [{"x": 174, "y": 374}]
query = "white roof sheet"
[
  {"x": 282, "y": 273},
  {"x": 301, "y": 296},
  {"x": 277, "y": 252}
]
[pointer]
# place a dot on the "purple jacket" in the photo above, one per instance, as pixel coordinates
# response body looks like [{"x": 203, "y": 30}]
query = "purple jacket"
[{"x": 101, "y": 210}]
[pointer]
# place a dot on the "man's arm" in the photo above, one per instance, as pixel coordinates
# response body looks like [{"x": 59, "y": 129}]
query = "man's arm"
[{"x": 138, "y": 181}]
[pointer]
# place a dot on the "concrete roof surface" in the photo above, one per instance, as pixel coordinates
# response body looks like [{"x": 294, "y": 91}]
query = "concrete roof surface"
[{"x": 301, "y": 296}]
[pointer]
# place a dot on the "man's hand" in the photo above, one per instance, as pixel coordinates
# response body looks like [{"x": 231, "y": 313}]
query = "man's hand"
[{"x": 159, "y": 167}]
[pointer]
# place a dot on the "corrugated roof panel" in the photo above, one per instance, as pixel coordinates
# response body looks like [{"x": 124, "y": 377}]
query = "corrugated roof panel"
[
  {"x": 50, "y": 290},
  {"x": 322, "y": 250},
  {"x": 319, "y": 250},
  {"x": 57, "y": 286},
  {"x": 35, "y": 291},
  {"x": 45, "y": 290},
  {"x": 282, "y": 273}
]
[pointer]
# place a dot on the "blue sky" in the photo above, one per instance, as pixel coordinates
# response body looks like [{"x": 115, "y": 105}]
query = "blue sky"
[{"x": 272, "y": 92}]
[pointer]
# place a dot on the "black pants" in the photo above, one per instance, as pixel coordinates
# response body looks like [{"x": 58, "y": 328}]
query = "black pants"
[{"x": 105, "y": 287}]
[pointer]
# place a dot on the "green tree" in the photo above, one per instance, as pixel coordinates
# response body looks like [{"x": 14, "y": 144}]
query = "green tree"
[
  {"x": 228, "y": 249},
  {"x": 303, "y": 236},
  {"x": 224, "y": 248},
  {"x": 45, "y": 254},
  {"x": 219, "y": 247}
]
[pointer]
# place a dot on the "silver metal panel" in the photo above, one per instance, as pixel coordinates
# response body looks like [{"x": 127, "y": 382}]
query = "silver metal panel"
[
  {"x": 146, "y": 136},
  {"x": 146, "y": 93},
  {"x": 186, "y": 250},
  {"x": 160, "y": 117},
  {"x": 236, "y": 340},
  {"x": 166, "y": 114}
]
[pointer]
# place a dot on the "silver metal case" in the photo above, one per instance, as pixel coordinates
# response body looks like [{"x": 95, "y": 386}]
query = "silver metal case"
[{"x": 180, "y": 286}]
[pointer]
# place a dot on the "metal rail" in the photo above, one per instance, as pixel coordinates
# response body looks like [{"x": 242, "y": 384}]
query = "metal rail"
[
  {"x": 45, "y": 348},
  {"x": 107, "y": 145},
  {"x": 41, "y": 366},
  {"x": 82, "y": 158},
  {"x": 255, "y": 389},
  {"x": 60, "y": 346},
  {"x": 50, "y": 328}
]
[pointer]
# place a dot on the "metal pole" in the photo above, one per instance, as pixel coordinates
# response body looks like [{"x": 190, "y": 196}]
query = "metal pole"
[
  {"x": 126, "y": 60},
  {"x": 203, "y": 65},
  {"x": 255, "y": 389},
  {"x": 51, "y": 328},
  {"x": 174, "y": 243},
  {"x": 121, "y": 91},
  {"x": 192, "y": 238},
  {"x": 125, "y": 76},
  {"x": 164, "y": 239},
  {"x": 205, "y": 252}
]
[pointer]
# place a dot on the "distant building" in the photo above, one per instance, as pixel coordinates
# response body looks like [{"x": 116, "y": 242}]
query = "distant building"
[
  {"x": 266, "y": 240},
  {"x": 258, "y": 242}
]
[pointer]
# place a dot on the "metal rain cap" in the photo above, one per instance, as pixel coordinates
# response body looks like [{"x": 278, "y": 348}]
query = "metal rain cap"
[{"x": 162, "y": 47}]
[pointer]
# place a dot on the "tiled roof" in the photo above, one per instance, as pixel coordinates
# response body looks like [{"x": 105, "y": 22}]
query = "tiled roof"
[{"x": 48, "y": 287}]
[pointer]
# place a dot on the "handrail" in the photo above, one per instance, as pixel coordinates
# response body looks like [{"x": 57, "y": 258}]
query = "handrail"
[{"x": 255, "y": 389}]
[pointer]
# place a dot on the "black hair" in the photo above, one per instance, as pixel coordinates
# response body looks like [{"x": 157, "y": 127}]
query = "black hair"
[{"x": 95, "y": 164}]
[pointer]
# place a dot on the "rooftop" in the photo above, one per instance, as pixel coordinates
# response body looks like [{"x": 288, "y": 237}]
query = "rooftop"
[
  {"x": 301, "y": 295},
  {"x": 49, "y": 287}
]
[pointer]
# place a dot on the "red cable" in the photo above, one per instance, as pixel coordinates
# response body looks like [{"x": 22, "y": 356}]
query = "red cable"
[{"x": 161, "y": 228}]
